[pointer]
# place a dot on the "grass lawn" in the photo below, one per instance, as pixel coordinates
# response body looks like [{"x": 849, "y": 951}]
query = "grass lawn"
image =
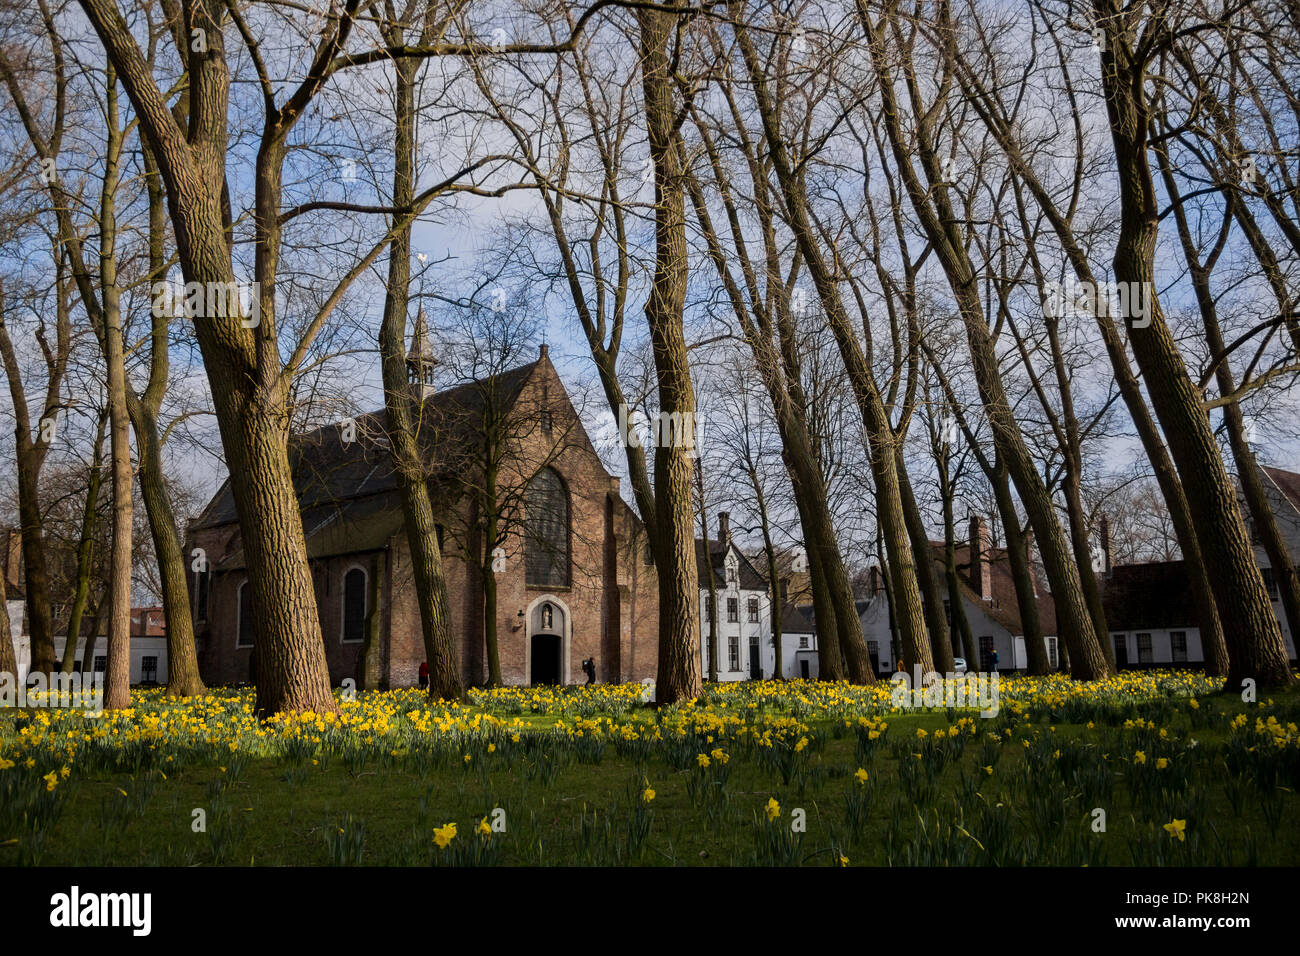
[{"x": 1149, "y": 768}]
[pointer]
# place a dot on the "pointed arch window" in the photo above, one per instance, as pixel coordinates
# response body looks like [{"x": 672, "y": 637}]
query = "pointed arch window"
[
  {"x": 354, "y": 606},
  {"x": 244, "y": 633},
  {"x": 546, "y": 531}
]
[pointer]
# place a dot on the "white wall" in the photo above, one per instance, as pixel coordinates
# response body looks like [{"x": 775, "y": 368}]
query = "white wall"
[
  {"x": 1010, "y": 648},
  {"x": 141, "y": 647},
  {"x": 744, "y": 629}
]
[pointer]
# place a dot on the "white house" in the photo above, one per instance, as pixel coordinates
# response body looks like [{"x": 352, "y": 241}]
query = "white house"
[
  {"x": 148, "y": 648},
  {"x": 989, "y": 599},
  {"x": 743, "y": 633},
  {"x": 798, "y": 643},
  {"x": 1149, "y": 607}
]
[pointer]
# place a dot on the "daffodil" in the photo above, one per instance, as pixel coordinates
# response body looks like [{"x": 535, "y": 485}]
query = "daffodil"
[{"x": 444, "y": 834}]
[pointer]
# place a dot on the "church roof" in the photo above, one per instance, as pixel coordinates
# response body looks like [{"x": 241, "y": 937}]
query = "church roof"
[{"x": 348, "y": 490}]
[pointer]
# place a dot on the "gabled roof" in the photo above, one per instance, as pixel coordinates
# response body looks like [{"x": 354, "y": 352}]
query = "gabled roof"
[
  {"x": 1288, "y": 482},
  {"x": 1003, "y": 606},
  {"x": 329, "y": 472},
  {"x": 797, "y": 620},
  {"x": 747, "y": 577}
]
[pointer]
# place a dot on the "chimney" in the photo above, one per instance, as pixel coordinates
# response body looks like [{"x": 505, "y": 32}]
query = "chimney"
[
  {"x": 1103, "y": 532},
  {"x": 873, "y": 579},
  {"x": 981, "y": 576},
  {"x": 542, "y": 353},
  {"x": 724, "y": 527}
]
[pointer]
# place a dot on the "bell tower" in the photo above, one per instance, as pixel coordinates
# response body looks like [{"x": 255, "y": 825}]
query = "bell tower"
[{"x": 420, "y": 362}]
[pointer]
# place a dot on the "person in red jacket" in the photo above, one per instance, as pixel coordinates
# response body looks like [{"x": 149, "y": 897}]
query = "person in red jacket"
[{"x": 424, "y": 673}]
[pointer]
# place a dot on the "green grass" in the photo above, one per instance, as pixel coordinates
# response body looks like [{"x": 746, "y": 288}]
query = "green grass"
[{"x": 580, "y": 800}]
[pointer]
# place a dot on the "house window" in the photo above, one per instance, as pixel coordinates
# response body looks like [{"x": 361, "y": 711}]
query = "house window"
[
  {"x": 101, "y": 663},
  {"x": 803, "y": 642},
  {"x": 1121, "y": 650},
  {"x": 1270, "y": 583},
  {"x": 546, "y": 531},
  {"x": 244, "y": 636},
  {"x": 753, "y": 610},
  {"x": 1051, "y": 651},
  {"x": 733, "y": 610},
  {"x": 731, "y": 575},
  {"x": 1144, "y": 648},
  {"x": 1178, "y": 642},
  {"x": 149, "y": 670},
  {"x": 548, "y": 422},
  {"x": 733, "y": 652},
  {"x": 354, "y": 606},
  {"x": 708, "y": 609}
]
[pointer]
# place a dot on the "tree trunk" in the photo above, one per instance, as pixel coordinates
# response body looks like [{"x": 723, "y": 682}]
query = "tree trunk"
[
  {"x": 1254, "y": 639},
  {"x": 117, "y": 692},
  {"x": 242, "y": 359},
  {"x": 85, "y": 551},
  {"x": 403, "y": 413},
  {"x": 777, "y": 599},
  {"x": 372, "y": 655},
  {"x": 679, "y": 641},
  {"x": 183, "y": 679},
  {"x": 491, "y": 650},
  {"x": 8, "y": 656},
  {"x": 711, "y": 653},
  {"x": 837, "y": 624},
  {"x": 88, "y": 645},
  {"x": 1018, "y": 559},
  {"x": 935, "y": 619},
  {"x": 955, "y": 600},
  {"x": 1207, "y": 613},
  {"x": 944, "y": 228}
]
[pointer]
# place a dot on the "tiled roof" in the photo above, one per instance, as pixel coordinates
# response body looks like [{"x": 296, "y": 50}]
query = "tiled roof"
[
  {"x": 328, "y": 471},
  {"x": 1288, "y": 482},
  {"x": 1003, "y": 606},
  {"x": 348, "y": 490},
  {"x": 748, "y": 578},
  {"x": 797, "y": 620}
]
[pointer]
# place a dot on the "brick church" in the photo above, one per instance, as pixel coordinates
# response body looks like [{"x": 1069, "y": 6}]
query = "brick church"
[{"x": 570, "y": 560}]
